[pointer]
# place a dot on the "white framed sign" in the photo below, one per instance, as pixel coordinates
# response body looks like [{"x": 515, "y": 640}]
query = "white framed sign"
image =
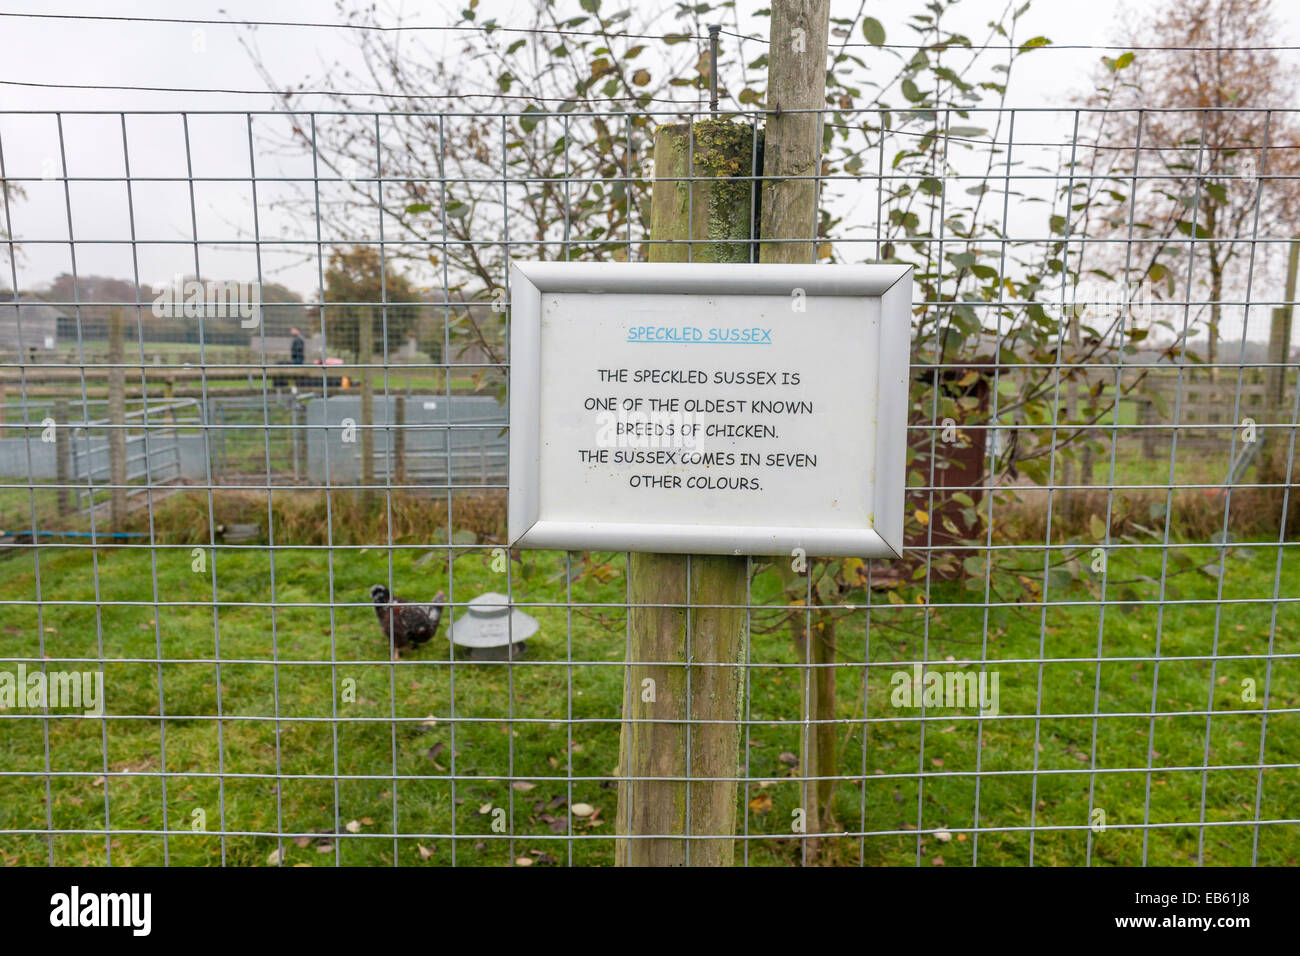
[{"x": 709, "y": 408}]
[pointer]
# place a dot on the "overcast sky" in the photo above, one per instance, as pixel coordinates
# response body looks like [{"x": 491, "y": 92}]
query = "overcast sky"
[{"x": 99, "y": 53}]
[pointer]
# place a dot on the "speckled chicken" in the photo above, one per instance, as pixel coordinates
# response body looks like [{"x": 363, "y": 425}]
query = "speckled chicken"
[{"x": 406, "y": 625}]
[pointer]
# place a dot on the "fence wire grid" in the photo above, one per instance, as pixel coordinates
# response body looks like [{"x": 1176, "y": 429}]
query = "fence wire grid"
[{"x": 1086, "y": 656}]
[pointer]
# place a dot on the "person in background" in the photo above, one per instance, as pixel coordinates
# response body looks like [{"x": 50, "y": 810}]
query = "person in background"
[{"x": 295, "y": 347}]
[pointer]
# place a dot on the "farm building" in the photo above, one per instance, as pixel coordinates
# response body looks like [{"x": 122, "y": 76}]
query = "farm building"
[{"x": 28, "y": 325}]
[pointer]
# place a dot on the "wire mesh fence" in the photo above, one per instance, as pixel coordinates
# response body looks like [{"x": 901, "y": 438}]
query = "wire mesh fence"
[{"x": 1087, "y": 654}]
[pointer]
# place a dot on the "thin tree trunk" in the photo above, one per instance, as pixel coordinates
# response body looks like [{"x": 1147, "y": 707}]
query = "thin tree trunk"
[{"x": 792, "y": 159}]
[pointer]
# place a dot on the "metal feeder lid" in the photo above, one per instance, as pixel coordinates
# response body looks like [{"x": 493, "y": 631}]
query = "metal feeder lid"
[{"x": 489, "y": 621}]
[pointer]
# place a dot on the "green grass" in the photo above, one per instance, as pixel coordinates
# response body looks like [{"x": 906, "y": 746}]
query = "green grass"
[{"x": 343, "y": 771}]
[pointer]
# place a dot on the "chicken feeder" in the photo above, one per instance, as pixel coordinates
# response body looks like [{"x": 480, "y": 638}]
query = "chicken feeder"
[{"x": 490, "y": 630}]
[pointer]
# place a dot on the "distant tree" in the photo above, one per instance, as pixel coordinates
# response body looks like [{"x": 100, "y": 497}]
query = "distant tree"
[
  {"x": 9, "y": 193},
  {"x": 1215, "y": 150},
  {"x": 578, "y": 185},
  {"x": 367, "y": 290}
]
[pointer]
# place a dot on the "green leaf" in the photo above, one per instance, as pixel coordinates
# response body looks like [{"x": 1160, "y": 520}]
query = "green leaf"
[
  {"x": 1034, "y": 44},
  {"x": 911, "y": 92},
  {"x": 873, "y": 31},
  {"x": 527, "y": 124},
  {"x": 418, "y": 207},
  {"x": 1124, "y": 60}
]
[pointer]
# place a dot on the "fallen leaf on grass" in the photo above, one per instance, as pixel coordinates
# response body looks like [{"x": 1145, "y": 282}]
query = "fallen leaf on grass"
[
  {"x": 582, "y": 809},
  {"x": 761, "y": 804},
  {"x": 523, "y": 785},
  {"x": 425, "y": 852},
  {"x": 486, "y": 808},
  {"x": 276, "y": 857},
  {"x": 353, "y": 826},
  {"x": 523, "y": 861}
]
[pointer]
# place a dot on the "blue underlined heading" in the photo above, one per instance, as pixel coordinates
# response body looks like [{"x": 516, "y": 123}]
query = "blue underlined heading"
[
  {"x": 689, "y": 342},
  {"x": 693, "y": 335}
]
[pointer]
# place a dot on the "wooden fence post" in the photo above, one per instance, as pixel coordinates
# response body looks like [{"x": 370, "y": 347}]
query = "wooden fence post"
[
  {"x": 117, "y": 422},
  {"x": 62, "y": 456},
  {"x": 398, "y": 432},
  {"x": 365, "y": 355},
  {"x": 1279, "y": 343},
  {"x": 1277, "y": 400},
  {"x": 665, "y": 623}
]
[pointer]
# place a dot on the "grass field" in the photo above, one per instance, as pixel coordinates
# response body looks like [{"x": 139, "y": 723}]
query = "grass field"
[{"x": 271, "y": 741}]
